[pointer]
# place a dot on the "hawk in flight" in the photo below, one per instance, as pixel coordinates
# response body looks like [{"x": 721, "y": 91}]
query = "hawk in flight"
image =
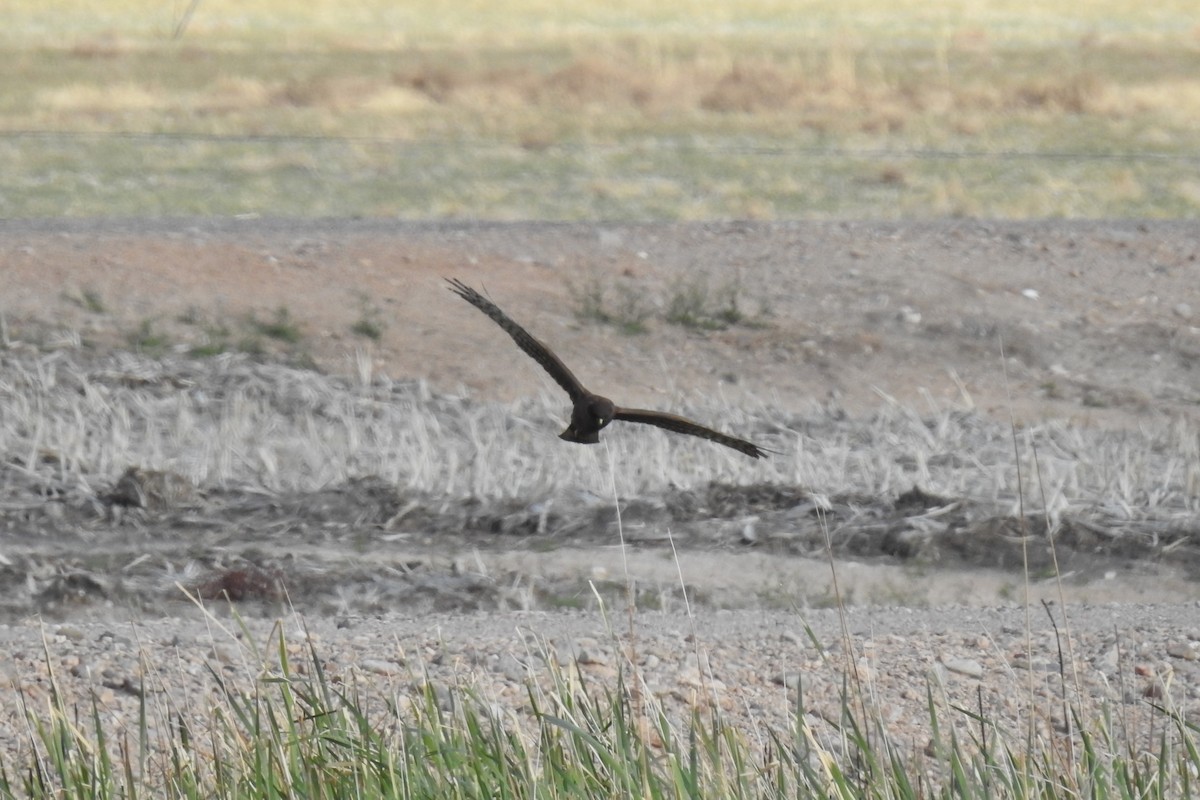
[{"x": 591, "y": 412}]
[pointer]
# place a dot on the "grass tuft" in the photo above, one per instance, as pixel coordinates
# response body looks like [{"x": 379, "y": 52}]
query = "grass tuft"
[
  {"x": 288, "y": 728},
  {"x": 145, "y": 339},
  {"x": 89, "y": 299},
  {"x": 282, "y": 327},
  {"x": 370, "y": 324},
  {"x": 694, "y": 304},
  {"x": 594, "y": 299}
]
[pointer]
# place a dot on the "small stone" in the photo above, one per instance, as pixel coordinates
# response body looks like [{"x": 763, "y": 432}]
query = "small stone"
[
  {"x": 588, "y": 651},
  {"x": 691, "y": 661},
  {"x": 1183, "y": 310},
  {"x": 1188, "y": 651},
  {"x": 790, "y": 680},
  {"x": 70, "y": 632},
  {"x": 379, "y": 666},
  {"x": 1110, "y": 658},
  {"x": 964, "y": 666},
  {"x": 226, "y": 653},
  {"x": 511, "y": 667}
]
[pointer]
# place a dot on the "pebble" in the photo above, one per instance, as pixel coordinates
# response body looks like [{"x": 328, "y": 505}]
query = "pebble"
[
  {"x": 226, "y": 653},
  {"x": 510, "y": 667},
  {"x": 964, "y": 666},
  {"x": 586, "y": 651},
  {"x": 1188, "y": 651},
  {"x": 789, "y": 680},
  {"x": 379, "y": 666},
  {"x": 1110, "y": 658},
  {"x": 70, "y": 632}
]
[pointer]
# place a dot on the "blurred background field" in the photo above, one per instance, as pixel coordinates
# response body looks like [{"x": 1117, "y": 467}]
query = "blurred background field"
[{"x": 577, "y": 111}]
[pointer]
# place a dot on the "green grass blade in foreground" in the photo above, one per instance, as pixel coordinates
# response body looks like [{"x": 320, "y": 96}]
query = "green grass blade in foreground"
[{"x": 295, "y": 731}]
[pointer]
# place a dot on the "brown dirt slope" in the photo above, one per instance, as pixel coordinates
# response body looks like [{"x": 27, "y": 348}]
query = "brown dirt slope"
[{"x": 1098, "y": 319}]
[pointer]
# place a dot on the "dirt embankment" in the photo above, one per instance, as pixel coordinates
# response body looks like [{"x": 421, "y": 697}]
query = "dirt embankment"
[
  {"x": 833, "y": 322},
  {"x": 129, "y": 482}
]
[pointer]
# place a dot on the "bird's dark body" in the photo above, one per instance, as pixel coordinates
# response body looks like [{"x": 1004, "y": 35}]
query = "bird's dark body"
[
  {"x": 590, "y": 412},
  {"x": 588, "y": 418}
]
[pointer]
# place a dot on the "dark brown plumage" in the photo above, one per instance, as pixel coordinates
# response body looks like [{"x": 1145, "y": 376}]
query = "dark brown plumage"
[{"x": 591, "y": 412}]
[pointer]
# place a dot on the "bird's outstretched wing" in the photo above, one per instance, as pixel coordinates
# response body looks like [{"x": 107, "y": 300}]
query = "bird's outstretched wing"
[
  {"x": 532, "y": 347},
  {"x": 684, "y": 425}
]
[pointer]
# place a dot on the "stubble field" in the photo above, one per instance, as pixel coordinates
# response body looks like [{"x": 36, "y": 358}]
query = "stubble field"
[
  {"x": 298, "y": 421},
  {"x": 349, "y": 469},
  {"x": 252, "y": 451}
]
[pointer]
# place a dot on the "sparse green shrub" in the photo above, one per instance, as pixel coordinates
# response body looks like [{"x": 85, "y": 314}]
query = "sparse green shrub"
[
  {"x": 281, "y": 328},
  {"x": 694, "y": 304},
  {"x": 146, "y": 339},
  {"x": 594, "y": 302}
]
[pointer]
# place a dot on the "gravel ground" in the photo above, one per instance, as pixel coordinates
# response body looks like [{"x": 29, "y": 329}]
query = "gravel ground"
[{"x": 747, "y": 663}]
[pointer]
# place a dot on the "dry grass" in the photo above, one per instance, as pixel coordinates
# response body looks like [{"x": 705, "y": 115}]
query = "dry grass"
[
  {"x": 229, "y": 421},
  {"x": 381, "y": 21},
  {"x": 689, "y": 112},
  {"x": 614, "y": 88}
]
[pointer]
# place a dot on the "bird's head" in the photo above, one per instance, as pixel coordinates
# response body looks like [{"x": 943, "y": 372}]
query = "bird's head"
[{"x": 602, "y": 411}]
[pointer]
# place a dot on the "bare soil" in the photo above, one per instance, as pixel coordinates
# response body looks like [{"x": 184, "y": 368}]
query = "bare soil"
[
  {"x": 1096, "y": 321},
  {"x": 1098, "y": 325}
]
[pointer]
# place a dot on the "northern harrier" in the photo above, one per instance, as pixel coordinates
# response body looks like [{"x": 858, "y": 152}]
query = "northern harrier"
[{"x": 591, "y": 412}]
